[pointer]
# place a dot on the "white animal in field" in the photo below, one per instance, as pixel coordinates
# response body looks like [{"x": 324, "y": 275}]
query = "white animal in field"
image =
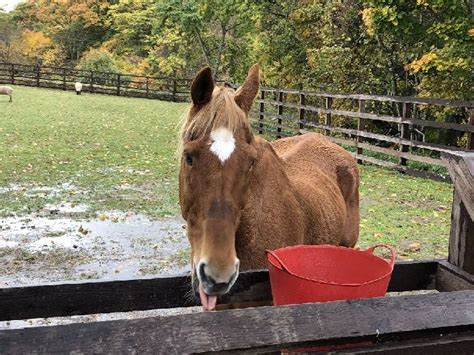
[
  {"x": 78, "y": 87},
  {"x": 6, "y": 90}
]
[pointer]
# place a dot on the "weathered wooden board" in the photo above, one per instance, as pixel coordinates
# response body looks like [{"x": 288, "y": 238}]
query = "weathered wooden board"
[
  {"x": 452, "y": 278},
  {"x": 459, "y": 344},
  {"x": 171, "y": 292},
  {"x": 461, "y": 240},
  {"x": 264, "y": 328}
]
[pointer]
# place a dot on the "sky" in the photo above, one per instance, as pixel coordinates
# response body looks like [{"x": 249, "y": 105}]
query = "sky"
[{"x": 8, "y": 5}]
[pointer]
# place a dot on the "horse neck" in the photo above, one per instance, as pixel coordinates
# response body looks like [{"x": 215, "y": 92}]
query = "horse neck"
[
  {"x": 269, "y": 184},
  {"x": 269, "y": 169},
  {"x": 271, "y": 195}
]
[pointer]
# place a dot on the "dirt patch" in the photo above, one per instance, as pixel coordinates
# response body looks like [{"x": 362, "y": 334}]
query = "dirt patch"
[{"x": 114, "y": 245}]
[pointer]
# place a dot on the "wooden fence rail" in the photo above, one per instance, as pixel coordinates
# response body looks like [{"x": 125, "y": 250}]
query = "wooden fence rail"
[
  {"x": 164, "y": 88},
  {"x": 403, "y": 133}
]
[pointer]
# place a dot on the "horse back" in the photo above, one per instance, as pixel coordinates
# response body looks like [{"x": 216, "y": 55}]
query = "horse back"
[{"x": 329, "y": 176}]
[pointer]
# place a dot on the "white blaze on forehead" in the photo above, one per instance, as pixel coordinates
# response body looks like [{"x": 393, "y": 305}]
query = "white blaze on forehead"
[{"x": 222, "y": 143}]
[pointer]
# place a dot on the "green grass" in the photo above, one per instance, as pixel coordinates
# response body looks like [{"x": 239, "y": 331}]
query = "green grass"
[
  {"x": 102, "y": 145},
  {"x": 119, "y": 153}
]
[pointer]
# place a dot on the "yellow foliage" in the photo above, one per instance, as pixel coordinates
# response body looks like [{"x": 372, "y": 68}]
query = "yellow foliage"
[
  {"x": 471, "y": 32},
  {"x": 422, "y": 3},
  {"x": 34, "y": 43},
  {"x": 54, "y": 56},
  {"x": 368, "y": 19},
  {"x": 422, "y": 63}
]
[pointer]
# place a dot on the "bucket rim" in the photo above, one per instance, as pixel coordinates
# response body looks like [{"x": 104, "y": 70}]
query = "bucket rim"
[{"x": 368, "y": 251}]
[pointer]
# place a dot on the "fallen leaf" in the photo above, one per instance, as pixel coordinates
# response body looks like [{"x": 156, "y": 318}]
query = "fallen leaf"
[
  {"x": 83, "y": 230},
  {"x": 414, "y": 247}
]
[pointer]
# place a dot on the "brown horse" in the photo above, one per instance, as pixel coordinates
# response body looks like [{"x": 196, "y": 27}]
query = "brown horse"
[{"x": 241, "y": 195}]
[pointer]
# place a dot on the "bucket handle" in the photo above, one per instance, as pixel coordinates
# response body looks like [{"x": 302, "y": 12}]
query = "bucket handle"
[
  {"x": 393, "y": 252},
  {"x": 369, "y": 250}
]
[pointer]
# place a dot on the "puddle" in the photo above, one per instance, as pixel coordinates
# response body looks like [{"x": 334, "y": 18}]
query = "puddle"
[
  {"x": 115, "y": 245},
  {"x": 66, "y": 208},
  {"x": 32, "y": 190}
]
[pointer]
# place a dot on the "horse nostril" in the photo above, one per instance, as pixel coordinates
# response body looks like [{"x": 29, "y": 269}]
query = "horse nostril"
[{"x": 203, "y": 276}]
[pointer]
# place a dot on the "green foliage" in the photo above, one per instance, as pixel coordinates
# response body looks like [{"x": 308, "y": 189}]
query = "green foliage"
[
  {"x": 396, "y": 47},
  {"x": 99, "y": 61}
]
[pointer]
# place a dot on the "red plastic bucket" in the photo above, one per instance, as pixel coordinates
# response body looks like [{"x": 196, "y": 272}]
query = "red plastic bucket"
[{"x": 320, "y": 273}]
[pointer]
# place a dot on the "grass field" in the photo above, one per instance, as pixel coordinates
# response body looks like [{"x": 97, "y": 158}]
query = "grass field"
[{"x": 112, "y": 153}]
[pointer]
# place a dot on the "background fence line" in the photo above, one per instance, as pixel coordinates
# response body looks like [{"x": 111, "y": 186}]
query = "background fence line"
[
  {"x": 399, "y": 133},
  {"x": 407, "y": 134},
  {"x": 128, "y": 85}
]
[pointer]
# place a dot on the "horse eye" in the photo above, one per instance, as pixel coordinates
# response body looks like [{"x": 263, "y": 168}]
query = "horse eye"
[{"x": 189, "y": 159}]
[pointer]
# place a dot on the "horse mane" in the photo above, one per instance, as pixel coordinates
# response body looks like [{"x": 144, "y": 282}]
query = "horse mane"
[{"x": 221, "y": 111}]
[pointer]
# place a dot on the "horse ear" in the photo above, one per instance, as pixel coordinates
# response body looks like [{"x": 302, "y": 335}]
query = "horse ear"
[
  {"x": 245, "y": 95},
  {"x": 202, "y": 87}
]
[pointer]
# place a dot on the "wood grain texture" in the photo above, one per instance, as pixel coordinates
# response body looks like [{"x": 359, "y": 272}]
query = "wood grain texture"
[
  {"x": 141, "y": 294},
  {"x": 452, "y": 278},
  {"x": 408, "y": 99},
  {"x": 264, "y": 328},
  {"x": 459, "y": 344},
  {"x": 461, "y": 241}
]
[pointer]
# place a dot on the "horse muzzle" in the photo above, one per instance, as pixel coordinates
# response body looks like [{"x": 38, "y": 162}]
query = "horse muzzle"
[{"x": 214, "y": 284}]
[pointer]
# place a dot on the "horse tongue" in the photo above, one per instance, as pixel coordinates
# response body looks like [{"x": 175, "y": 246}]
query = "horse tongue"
[{"x": 208, "y": 302}]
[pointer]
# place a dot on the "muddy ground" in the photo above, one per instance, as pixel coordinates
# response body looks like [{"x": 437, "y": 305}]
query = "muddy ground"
[{"x": 60, "y": 244}]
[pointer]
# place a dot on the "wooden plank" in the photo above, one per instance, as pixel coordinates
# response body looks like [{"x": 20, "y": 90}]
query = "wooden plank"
[
  {"x": 413, "y": 275},
  {"x": 397, "y": 153},
  {"x": 378, "y": 117},
  {"x": 280, "y": 113},
  {"x": 452, "y": 278},
  {"x": 348, "y": 142},
  {"x": 443, "y": 125},
  {"x": 301, "y": 114},
  {"x": 169, "y": 292},
  {"x": 405, "y": 132},
  {"x": 328, "y": 116},
  {"x": 407, "y": 99},
  {"x": 470, "y": 137},
  {"x": 120, "y": 296},
  {"x": 461, "y": 241},
  {"x": 458, "y": 344},
  {"x": 264, "y": 328},
  {"x": 461, "y": 168},
  {"x": 404, "y": 169},
  {"x": 361, "y": 125}
]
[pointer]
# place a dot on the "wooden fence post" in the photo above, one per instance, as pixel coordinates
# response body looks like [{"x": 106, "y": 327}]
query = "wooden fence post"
[
  {"x": 405, "y": 132},
  {"x": 261, "y": 116},
  {"x": 64, "y": 79},
  {"x": 470, "y": 135},
  {"x": 118, "y": 84},
  {"x": 361, "y": 123},
  {"x": 302, "y": 111},
  {"x": 147, "y": 87},
  {"x": 461, "y": 240},
  {"x": 328, "y": 117},
  {"x": 38, "y": 70},
  {"x": 280, "y": 113},
  {"x": 92, "y": 82},
  {"x": 13, "y": 73},
  {"x": 174, "y": 89}
]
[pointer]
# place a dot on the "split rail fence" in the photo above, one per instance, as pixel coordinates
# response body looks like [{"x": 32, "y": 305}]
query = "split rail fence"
[
  {"x": 152, "y": 87},
  {"x": 407, "y": 134},
  {"x": 400, "y": 133}
]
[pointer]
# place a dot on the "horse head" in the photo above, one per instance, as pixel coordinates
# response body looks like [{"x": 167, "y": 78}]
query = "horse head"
[{"x": 217, "y": 156}]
